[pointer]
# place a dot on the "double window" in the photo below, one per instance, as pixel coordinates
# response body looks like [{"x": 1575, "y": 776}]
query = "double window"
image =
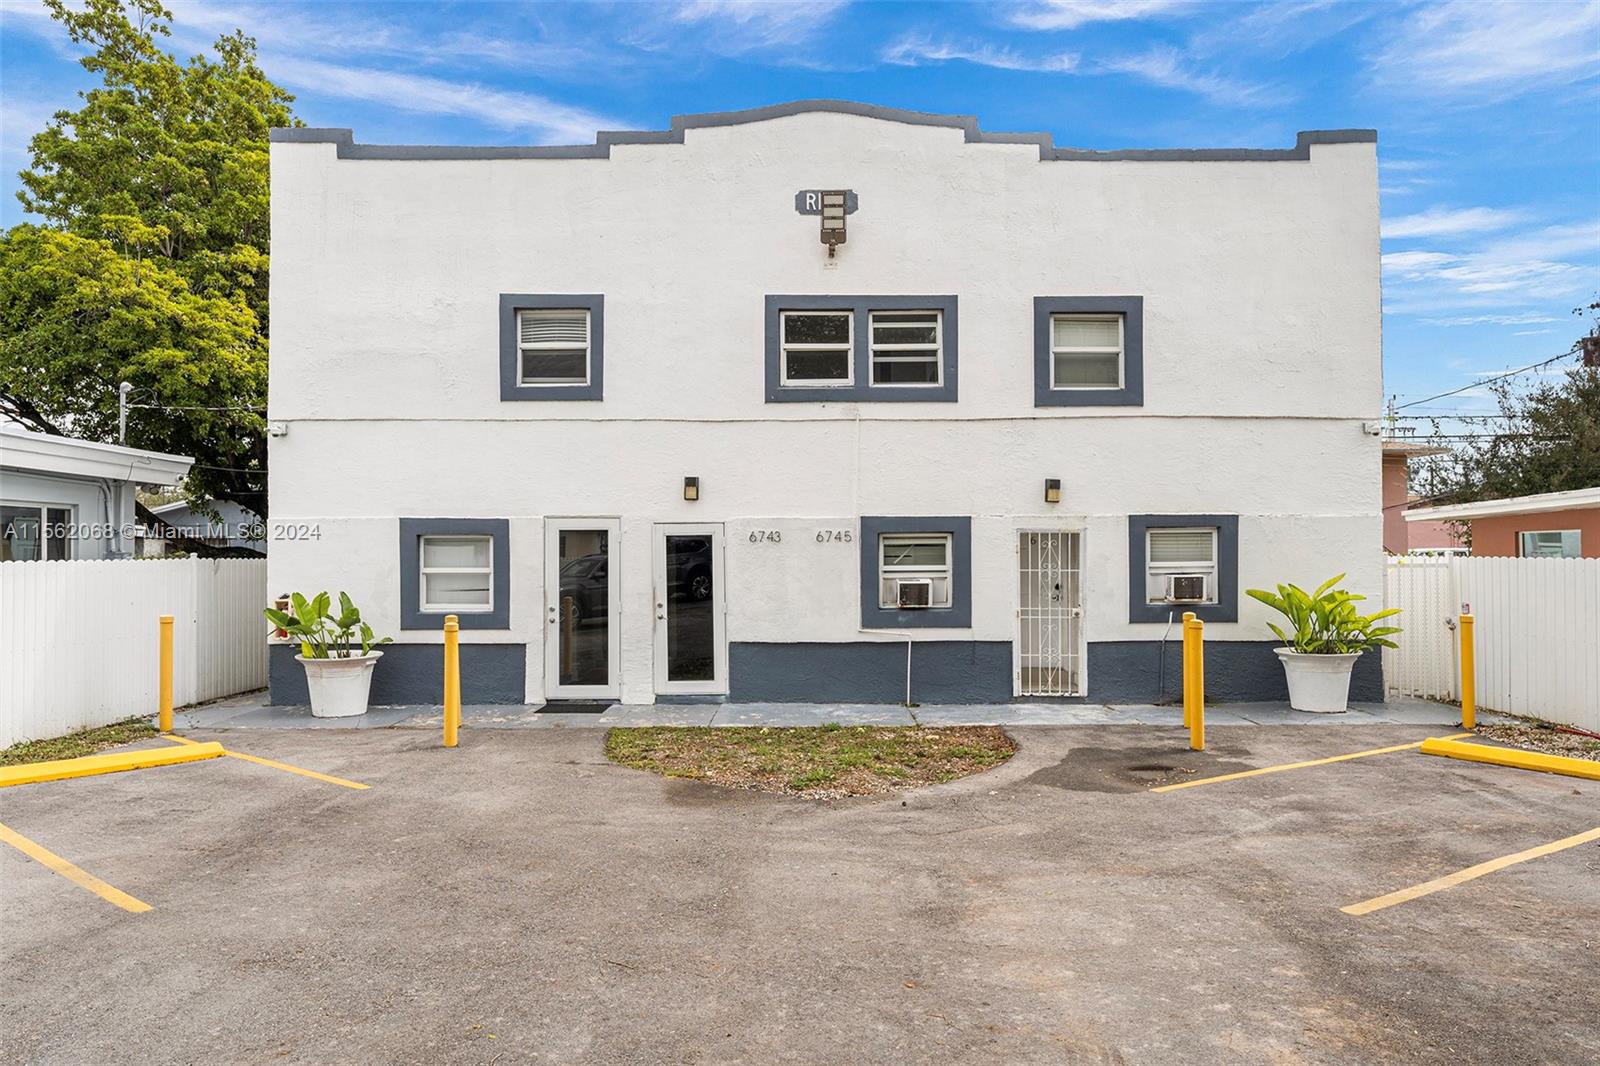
[
  {"x": 1181, "y": 566},
  {"x": 552, "y": 347},
  {"x": 1088, "y": 351},
  {"x": 1179, "y": 563},
  {"x": 861, "y": 348},
  {"x": 459, "y": 566},
  {"x": 913, "y": 570},
  {"x": 34, "y": 533},
  {"x": 457, "y": 574},
  {"x": 1550, "y": 544}
]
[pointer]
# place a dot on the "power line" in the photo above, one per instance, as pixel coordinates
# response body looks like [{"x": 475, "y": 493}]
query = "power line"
[
  {"x": 171, "y": 407},
  {"x": 1486, "y": 381}
]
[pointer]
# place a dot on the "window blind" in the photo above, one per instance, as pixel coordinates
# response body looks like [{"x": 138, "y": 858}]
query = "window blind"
[
  {"x": 554, "y": 328},
  {"x": 1181, "y": 545}
]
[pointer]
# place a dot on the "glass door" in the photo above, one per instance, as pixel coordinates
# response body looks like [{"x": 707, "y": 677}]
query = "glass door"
[
  {"x": 581, "y": 606},
  {"x": 691, "y": 641}
]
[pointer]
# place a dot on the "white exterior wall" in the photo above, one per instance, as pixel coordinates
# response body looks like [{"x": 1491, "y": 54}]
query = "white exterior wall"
[
  {"x": 1261, "y": 362},
  {"x": 101, "y": 506}
]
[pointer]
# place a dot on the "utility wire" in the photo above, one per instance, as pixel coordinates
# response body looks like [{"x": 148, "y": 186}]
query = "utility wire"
[
  {"x": 171, "y": 407},
  {"x": 1486, "y": 381}
]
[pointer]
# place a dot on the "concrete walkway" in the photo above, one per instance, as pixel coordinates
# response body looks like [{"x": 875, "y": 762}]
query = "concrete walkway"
[{"x": 251, "y": 711}]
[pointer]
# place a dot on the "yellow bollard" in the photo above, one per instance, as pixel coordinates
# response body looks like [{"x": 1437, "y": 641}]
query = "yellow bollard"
[
  {"x": 1188, "y": 667},
  {"x": 166, "y": 673},
  {"x": 1469, "y": 679},
  {"x": 452, "y": 680},
  {"x": 1197, "y": 718}
]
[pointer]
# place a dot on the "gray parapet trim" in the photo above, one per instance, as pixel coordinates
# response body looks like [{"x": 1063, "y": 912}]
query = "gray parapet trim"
[{"x": 347, "y": 148}]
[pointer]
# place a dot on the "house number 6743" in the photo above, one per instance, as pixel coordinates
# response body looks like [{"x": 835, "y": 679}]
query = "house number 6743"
[{"x": 766, "y": 536}]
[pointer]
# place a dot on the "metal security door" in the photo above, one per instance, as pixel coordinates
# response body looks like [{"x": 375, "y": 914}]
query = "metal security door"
[{"x": 1049, "y": 646}]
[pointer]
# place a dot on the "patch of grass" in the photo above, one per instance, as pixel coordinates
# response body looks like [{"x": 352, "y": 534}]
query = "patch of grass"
[
  {"x": 73, "y": 745},
  {"x": 819, "y": 761}
]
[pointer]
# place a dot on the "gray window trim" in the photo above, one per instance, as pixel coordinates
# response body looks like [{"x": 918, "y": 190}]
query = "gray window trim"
[
  {"x": 1131, "y": 308},
  {"x": 1226, "y": 609},
  {"x": 956, "y": 616},
  {"x": 863, "y": 391},
  {"x": 510, "y": 387},
  {"x": 412, "y": 530}
]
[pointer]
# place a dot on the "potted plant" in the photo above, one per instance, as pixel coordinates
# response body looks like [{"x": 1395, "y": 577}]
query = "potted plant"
[
  {"x": 1328, "y": 637},
  {"x": 338, "y": 677}
]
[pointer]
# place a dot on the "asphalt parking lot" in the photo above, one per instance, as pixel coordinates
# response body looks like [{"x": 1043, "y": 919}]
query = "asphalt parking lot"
[{"x": 520, "y": 899}]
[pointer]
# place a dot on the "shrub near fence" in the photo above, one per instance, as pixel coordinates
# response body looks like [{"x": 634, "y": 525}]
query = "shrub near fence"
[
  {"x": 81, "y": 638},
  {"x": 1538, "y": 633}
]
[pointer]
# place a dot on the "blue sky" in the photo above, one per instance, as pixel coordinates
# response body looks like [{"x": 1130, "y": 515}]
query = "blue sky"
[{"x": 1488, "y": 113}]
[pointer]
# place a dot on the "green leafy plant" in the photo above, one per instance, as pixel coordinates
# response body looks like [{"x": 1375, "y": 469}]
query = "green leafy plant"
[
  {"x": 322, "y": 634},
  {"x": 1325, "y": 621}
]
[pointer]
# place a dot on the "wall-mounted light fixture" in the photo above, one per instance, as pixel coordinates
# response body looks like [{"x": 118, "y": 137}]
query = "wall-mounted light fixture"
[
  {"x": 691, "y": 488},
  {"x": 833, "y": 212},
  {"x": 1052, "y": 490}
]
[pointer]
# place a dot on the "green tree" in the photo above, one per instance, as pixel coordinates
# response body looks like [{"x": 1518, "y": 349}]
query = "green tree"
[
  {"x": 150, "y": 263},
  {"x": 1547, "y": 439}
]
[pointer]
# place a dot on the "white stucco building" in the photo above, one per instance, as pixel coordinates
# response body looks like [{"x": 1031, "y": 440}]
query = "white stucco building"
[{"x": 496, "y": 369}]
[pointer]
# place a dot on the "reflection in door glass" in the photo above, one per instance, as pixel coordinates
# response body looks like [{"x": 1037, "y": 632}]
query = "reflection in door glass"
[
  {"x": 585, "y": 607},
  {"x": 691, "y": 627}
]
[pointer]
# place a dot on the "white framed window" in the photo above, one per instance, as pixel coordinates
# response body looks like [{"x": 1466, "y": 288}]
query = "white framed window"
[
  {"x": 1179, "y": 562},
  {"x": 817, "y": 348},
  {"x": 914, "y": 558},
  {"x": 907, "y": 348},
  {"x": 31, "y": 532},
  {"x": 1086, "y": 351},
  {"x": 1550, "y": 544},
  {"x": 553, "y": 346},
  {"x": 457, "y": 573}
]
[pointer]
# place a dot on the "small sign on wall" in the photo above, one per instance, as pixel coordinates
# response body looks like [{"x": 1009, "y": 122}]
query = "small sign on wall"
[{"x": 809, "y": 201}]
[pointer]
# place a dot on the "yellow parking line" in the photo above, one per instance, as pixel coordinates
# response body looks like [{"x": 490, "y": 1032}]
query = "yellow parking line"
[
  {"x": 275, "y": 765},
  {"x": 81, "y": 878},
  {"x": 1296, "y": 765},
  {"x": 1439, "y": 884}
]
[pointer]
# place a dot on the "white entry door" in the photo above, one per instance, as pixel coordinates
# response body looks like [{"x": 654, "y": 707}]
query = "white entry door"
[
  {"x": 1049, "y": 655},
  {"x": 691, "y": 640},
  {"x": 582, "y": 632}
]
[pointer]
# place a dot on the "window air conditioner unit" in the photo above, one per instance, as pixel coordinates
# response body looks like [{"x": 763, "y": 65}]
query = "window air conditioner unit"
[
  {"x": 914, "y": 592},
  {"x": 1186, "y": 588}
]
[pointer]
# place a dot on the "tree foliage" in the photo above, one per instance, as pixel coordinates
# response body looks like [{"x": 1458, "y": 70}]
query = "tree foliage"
[
  {"x": 1546, "y": 440},
  {"x": 150, "y": 263}
]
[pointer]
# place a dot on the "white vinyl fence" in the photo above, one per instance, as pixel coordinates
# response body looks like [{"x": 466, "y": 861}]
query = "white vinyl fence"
[
  {"x": 1537, "y": 633},
  {"x": 79, "y": 641}
]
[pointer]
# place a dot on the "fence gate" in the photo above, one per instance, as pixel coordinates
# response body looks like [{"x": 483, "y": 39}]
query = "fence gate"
[{"x": 1049, "y": 645}]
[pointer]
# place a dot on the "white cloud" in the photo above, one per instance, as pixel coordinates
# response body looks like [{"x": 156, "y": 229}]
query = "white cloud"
[
  {"x": 546, "y": 120},
  {"x": 1539, "y": 267},
  {"x": 1070, "y": 14},
  {"x": 913, "y": 51},
  {"x": 1489, "y": 48},
  {"x": 1493, "y": 320},
  {"x": 1449, "y": 222},
  {"x": 750, "y": 25},
  {"x": 1166, "y": 68}
]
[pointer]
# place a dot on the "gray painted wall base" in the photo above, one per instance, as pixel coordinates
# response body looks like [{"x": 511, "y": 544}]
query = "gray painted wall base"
[
  {"x": 942, "y": 671},
  {"x": 414, "y": 673},
  {"x": 1126, "y": 671}
]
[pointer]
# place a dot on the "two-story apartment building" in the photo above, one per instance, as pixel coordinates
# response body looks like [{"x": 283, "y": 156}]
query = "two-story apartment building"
[{"x": 634, "y": 414}]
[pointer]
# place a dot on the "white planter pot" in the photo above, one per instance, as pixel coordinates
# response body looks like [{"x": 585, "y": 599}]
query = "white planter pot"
[
  {"x": 1318, "y": 683},
  {"x": 339, "y": 687}
]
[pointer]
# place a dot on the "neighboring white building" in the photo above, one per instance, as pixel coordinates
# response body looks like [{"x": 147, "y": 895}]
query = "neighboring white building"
[
  {"x": 63, "y": 498},
  {"x": 496, "y": 368},
  {"x": 236, "y": 527}
]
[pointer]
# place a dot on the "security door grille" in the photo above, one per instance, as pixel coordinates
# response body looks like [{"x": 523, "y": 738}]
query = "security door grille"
[{"x": 1049, "y": 615}]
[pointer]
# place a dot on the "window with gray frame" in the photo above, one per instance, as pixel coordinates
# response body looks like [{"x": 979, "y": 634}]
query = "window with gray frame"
[
  {"x": 861, "y": 348},
  {"x": 916, "y": 572},
  {"x": 1179, "y": 563},
  {"x": 552, "y": 347},
  {"x": 1088, "y": 351},
  {"x": 459, "y": 566}
]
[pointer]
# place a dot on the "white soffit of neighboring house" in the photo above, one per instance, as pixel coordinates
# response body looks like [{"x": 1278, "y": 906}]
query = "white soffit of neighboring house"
[
  {"x": 1512, "y": 505},
  {"x": 42, "y": 453}
]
